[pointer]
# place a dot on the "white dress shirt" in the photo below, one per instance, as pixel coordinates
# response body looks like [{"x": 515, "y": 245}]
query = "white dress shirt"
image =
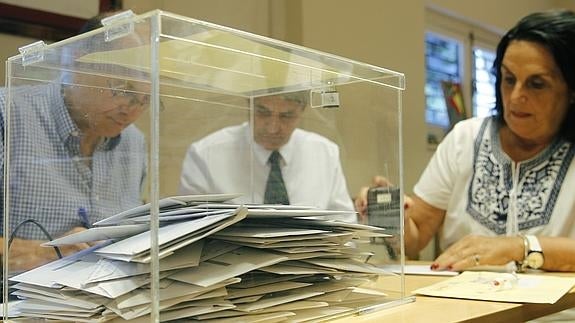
[{"x": 222, "y": 163}]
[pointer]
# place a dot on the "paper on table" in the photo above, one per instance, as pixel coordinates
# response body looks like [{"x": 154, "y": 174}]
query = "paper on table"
[
  {"x": 490, "y": 286},
  {"x": 418, "y": 270}
]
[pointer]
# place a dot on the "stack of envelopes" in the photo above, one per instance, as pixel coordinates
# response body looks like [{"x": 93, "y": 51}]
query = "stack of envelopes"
[{"x": 218, "y": 262}]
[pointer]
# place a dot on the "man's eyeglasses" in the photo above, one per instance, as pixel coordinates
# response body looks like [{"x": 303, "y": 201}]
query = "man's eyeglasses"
[{"x": 124, "y": 89}]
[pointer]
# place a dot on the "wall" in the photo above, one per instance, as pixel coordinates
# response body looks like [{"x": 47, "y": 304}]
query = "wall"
[
  {"x": 248, "y": 15},
  {"x": 382, "y": 33},
  {"x": 9, "y": 48},
  {"x": 500, "y": 15}
]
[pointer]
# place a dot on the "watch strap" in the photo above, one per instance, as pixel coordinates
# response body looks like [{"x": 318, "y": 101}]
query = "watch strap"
[
  {"x": 532, "y": 247},
  {"x": 533, "y": 244},
  {"x": 520, "y": 265}
]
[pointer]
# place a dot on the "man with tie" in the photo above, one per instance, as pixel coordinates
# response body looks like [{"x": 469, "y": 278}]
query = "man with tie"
[{"x": 271, "y": 161}]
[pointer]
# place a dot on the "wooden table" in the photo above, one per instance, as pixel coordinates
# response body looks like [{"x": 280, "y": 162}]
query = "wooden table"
[{"x": 437, "y": 309}]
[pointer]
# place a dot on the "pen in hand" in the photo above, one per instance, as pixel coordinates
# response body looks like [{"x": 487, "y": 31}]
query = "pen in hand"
[{"x": 83, "y": 215}]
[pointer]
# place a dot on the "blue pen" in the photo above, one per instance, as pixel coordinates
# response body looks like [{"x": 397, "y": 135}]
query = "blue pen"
[{"x": 83, "y": 215}]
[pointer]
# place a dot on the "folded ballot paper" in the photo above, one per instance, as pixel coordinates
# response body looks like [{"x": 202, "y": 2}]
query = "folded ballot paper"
[{"x": 219, "y": 261}]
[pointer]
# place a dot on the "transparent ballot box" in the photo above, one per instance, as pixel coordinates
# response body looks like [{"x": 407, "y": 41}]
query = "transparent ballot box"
[{"x": 163, "y": 168}]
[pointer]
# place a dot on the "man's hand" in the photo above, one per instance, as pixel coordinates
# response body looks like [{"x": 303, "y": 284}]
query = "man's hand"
[{"x": 28, "y": 254}]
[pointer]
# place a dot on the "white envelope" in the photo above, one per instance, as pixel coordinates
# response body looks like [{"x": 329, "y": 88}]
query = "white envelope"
[
  {"x": 349, "y": 265},
  {"x": 141, "y": 242},
  {"x": 176, "y": 244},
  {"x": 166, "y": 203},
  {"x": 89, "y": 303},
  {"x": 275, "y": 300},
  {"x": 267, "y": 232},
  {"x": 175, "y": 289},
  {"x": 98, "y": 234},
  {"x": 226, "y": 266},
  {"x": 107, "y": 269},
  {"x": 46, "y": 275},
  {"x": 264, "y": 289}
]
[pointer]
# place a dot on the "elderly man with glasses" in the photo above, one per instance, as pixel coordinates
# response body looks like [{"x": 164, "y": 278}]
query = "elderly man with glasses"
[{"x": 73, "y": 155}]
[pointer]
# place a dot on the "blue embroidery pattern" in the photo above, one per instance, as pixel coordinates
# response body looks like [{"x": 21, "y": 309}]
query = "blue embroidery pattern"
[{"x": 538, "y": 185}]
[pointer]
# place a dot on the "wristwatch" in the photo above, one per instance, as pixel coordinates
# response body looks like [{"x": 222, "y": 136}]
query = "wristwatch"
[{"x": 533, "y": 253}]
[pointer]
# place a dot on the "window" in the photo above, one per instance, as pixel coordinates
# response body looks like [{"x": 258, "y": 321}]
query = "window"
[
  {"x": 458, "y": 52},
  {"x": 442, "y": 63},
  {"x": 483, "y": 82}
]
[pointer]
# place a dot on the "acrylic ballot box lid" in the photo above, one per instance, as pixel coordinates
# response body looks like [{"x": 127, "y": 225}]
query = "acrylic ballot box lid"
[{"x": 139, "y": 153}]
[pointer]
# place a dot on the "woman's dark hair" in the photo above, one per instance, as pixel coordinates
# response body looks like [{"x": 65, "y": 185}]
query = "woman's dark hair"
[{"x": 554, "y": 29}]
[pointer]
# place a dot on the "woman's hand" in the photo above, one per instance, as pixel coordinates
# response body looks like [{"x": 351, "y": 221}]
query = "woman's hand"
[
  {"x": 361, "y": 198},
  {"x": 473, "y": 251}
]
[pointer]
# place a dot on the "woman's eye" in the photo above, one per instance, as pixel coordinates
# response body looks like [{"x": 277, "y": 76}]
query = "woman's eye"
[
  {"x": 509, "y": 80},
  {"x": 536, "y": 84}
]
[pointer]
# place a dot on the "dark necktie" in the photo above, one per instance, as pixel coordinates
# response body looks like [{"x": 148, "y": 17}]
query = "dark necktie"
[{"x": 276, "y": 192}]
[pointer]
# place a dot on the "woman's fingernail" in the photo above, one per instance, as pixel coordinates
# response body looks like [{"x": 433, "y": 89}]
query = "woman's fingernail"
[
  {"x": 450, "y": 267},
  {"x": 434, "y": 266}
]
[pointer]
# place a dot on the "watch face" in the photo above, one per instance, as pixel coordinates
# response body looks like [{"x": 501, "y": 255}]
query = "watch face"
[{"x": 535, "y": 260}]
